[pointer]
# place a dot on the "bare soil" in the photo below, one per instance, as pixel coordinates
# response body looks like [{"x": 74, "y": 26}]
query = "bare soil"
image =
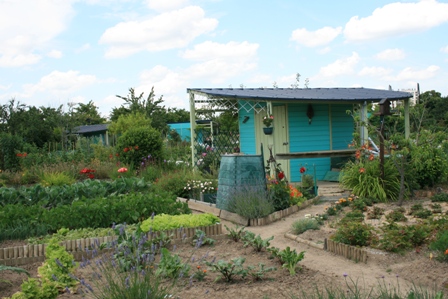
[{"x": 320, "y": 269}]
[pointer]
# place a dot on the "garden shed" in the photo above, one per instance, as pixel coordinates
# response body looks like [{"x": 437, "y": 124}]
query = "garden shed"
[
  {"x": 312, "y": 126},
  {"x": 98, "y": 134}
]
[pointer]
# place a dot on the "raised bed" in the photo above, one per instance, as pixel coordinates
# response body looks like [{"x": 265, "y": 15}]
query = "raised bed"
[{"x": 22, "y": 255}]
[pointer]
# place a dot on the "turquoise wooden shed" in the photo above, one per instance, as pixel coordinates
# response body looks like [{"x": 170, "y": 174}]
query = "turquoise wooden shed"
[{"x": 311, "y": 125}]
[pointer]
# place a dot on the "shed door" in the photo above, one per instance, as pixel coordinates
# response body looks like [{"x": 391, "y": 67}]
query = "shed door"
[{"x": 281, "y": 137}]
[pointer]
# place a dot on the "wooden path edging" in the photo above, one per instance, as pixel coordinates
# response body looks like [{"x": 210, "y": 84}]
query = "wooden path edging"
[
  {"x": 237, "y": 219},
  {"x": 22, "y": 255},
  {"x": 356, "y": 254}
]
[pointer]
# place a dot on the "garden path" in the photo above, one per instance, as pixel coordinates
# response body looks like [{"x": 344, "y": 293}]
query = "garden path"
[{"x": 381, "y": 267}]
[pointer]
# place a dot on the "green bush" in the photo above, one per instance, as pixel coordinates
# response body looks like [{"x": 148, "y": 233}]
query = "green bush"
[
  {"x": 352, "y": 216},
  {"x": 354, "y": 233},
  {"x": 166, "y": 222},
  {"x": 138, "y": 143},
  {"x": 398, "y": 238},
  {"x": 175, "y": 182},
  {"x": 56, "y": 179},
  {"x": 440, "y": 197},
  {"x": 440, "y": 245},
  {"x": 302, "y": 225},
  {"x": 397, "y": 216},
  {"x": 429, "y": 163},
  {"x": 10, "y": 145}
]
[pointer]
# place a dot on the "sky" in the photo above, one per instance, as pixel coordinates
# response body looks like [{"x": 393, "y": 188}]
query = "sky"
[{"x": 57, "y": 52}]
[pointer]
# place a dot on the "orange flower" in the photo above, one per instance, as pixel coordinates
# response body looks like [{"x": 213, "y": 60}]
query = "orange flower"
[
  {"x": 136, "y": 147},
  {"x": 126, "y": 149},
  {"x": 199, "y": 267},
  {"x": 371, "y": 157},
  {"x": 205, "y": 271},
  {"x": 362, "y": 170},
  {"x": 446, "y": 252},
  {"x": 358, "y": 154}
]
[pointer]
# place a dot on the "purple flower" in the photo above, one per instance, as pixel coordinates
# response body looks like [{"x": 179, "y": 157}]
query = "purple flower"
[{"x": 345, "y": 274}]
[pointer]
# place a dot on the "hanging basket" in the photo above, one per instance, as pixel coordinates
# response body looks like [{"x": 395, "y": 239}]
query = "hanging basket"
[{"x": 268, "y": 131}]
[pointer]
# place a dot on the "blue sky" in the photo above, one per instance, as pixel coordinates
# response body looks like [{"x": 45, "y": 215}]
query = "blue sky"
[{"x": 56, "y": 52}]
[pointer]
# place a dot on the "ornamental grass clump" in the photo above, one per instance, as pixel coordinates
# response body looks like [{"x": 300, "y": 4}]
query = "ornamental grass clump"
[{"x": 363, "y": 177}]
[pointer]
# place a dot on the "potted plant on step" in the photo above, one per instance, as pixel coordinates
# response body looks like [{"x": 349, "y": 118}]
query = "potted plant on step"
[{"x": 307, "y": 182}]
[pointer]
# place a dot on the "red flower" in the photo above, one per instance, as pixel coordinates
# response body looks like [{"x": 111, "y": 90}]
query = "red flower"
[
  {"x": 302, "y": 169},
  {"x": 111, "y": 156},
  {"x": 122, "y": 169},
  {"x": 136, "y": 147},
  {"x": 24, "y": 154},
  {"x": 19, "y": 155},
  {"x": 362, "y": 170},
  {"x": 117, "y": 154},
  {"x": 91, "y": 176},
  {"x": 126, "y": 149},
  {"x": 281, "y": 175}
]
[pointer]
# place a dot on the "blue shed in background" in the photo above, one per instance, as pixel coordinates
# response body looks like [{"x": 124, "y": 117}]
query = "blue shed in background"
[
  {"x": 311, "y": 125},
  {"x": 183, "y": 129}
]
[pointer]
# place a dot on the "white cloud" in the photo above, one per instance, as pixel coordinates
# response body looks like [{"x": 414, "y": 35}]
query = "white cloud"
[
  {"x": 166, "y": 5},
  {"x": 316, "y": 38},
  {"x": 409, "y": 74},
  {"x": 216, "y": 63},
  {"x": 219, "y": 62},
  {"x": 375, "y": 71},
  {"x": 27, "y": 26},
  {"x": 83, "y": 48},
  {"x": 342, "y": 66},
  {"x": 54, "y": 54},
  {"x": 324, "y": 50},
  {"x": 444, "y": 49},
  {"x": 231, "y": 51},
  {"x": 391, "y": 54},
  {"x": 397, "y": 19},
  {"x": 5, "y": 87},
  {"x": 60, "y": 83},
  {"x": 174, "y": 29}
]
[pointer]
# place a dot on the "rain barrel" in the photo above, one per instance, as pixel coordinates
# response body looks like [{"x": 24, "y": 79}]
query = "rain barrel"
[{"x": 237, "y": 172}]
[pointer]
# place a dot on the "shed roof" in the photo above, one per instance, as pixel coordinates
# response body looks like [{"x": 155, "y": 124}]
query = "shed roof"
[
  {"x": 90, "y": 128},
  {"x": 355, "y": 94}
]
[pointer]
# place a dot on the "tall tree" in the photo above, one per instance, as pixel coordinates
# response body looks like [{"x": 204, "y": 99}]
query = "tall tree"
[{"x": 87, "y": 114}]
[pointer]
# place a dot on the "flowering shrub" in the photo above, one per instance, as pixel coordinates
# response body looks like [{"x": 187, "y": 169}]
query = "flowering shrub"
[
  {"x": 196, "y": 187},
  {"x": 295, "y": 196},
  {"x": 267, "y": 120},
  {"x": 88, "y": 172},
  {"x": 139, "y": 142}
]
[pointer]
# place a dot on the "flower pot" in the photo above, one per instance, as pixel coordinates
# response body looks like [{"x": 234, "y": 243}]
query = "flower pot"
[{"x": 268, "y": 131}]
